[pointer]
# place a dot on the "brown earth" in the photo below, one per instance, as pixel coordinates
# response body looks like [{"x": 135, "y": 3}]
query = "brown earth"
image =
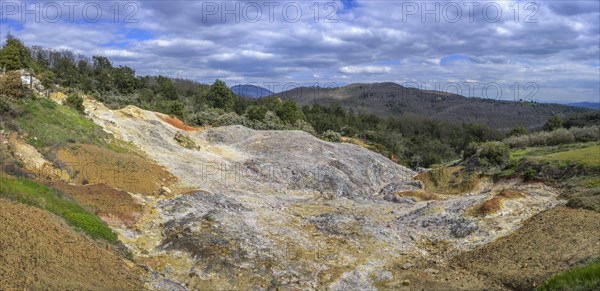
[
  {"x": 419, "y": 195},
  {"x": 546, "y": 245},
  {"x": 39, "y": 251},
  {"x": 494, "y": 204},
  {"x": 115, "y": 207},
  {"x": 131, "y": 173}
]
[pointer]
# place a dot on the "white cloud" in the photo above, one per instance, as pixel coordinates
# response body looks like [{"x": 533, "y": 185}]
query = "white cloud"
[
  {"x": 365, "y": 70},
  {"x": 560, "y": 52}
]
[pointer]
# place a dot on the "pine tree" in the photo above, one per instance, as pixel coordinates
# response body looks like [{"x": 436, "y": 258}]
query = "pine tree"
[
  {"x": 10, "y": 58},
  {"x": 220, "y": 96}
]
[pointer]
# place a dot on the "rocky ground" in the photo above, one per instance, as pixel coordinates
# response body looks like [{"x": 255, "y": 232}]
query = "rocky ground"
[{"x": 272, "y": 209}]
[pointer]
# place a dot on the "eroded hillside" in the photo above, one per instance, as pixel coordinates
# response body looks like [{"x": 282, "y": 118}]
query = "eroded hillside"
[{"x": 284, "y": 209}]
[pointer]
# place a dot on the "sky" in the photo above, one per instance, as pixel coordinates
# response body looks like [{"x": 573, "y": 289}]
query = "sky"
[{"x": 547, "y": 51}]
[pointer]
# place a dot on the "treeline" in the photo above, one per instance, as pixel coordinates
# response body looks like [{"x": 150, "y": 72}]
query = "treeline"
[{"x": 411, "y": 140}]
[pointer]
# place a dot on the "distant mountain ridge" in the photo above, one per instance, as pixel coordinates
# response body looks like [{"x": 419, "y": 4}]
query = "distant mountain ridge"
[
  {"x": 591, "y": 105},
  {"x": 251, "y": 91},
  {"x": 391, "y": 99}
]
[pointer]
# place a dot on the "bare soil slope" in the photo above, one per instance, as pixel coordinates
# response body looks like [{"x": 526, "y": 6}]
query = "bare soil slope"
[
  {"x": 547, "y": 244},
  {"x": 42, "y": 252}
]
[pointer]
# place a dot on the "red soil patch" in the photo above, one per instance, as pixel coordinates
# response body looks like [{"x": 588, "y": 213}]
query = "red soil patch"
[
  {"x": 495, "y": 204},
  {"x": 177, "y": 123}
]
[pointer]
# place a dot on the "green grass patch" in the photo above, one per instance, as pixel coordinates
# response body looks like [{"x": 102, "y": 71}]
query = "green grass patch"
[
  {"x": 589, "y": 156},
  {"x": 40, "y": 196},
  {"x": 532, "y": 152},
  {"x": 580, "y": 278},
  {"x": 50, "y": 125},
  {"x": 589, "y": 182}
]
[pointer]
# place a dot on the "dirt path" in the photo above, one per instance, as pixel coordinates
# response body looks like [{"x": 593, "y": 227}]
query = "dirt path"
[
  {"x": 39, "y": 251},
  {"x": 547, "y": 244}
]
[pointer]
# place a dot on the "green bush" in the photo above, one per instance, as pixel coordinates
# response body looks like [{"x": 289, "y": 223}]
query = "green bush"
[
  {"x": 256, "y": 113},
  {"x": 586, "y": 134},
  {"x": 521, "y": 141},
  {"x": 493, "y": 154},
  {"x": 470, "y": 150},
  {"x": 75, "y": 101},
  {"x": 10, "y": 86},
  {"x": 519, "y": 130},
  {"x": 332, "y": 136},
  {"x": 560, "y": 136}
]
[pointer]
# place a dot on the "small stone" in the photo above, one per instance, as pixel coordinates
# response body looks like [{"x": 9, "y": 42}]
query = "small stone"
[
  {"x": 406, "y": 283},
  {"x": 407, "y": 266},
  {"x": 431, "y": 271}
]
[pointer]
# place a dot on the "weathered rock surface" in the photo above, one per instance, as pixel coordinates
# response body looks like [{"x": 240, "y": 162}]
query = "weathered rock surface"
[{"x": 267, "y": 209}]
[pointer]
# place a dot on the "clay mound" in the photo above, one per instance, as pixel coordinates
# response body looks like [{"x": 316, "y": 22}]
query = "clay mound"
[
  {"x": 177, "y": 123},
  {"x": 495, "y": 204},
  {"x": 42, "y": 252}
]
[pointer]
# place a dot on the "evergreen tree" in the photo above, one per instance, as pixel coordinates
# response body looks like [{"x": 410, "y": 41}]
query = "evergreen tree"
[
  {"x": 10, "y": 59},
  {"x": 220, "y": 96},
  {"x": 555, "y": 122}
]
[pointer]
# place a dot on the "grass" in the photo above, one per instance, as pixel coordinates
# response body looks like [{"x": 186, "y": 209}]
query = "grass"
[
  {"x": 50, "y": 125},
  {"x": 533, "y": 152},
  {"x": 589, "y": 156},
  {"x": 581, "y": 278},
  {"x": 40, "y": 196},
  {"x": 573, "y": 167}
]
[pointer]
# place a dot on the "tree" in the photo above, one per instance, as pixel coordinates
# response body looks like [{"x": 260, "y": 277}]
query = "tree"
[
  {"x": 9, "y": 58},
  {"x": 165, "y": 88},
  {"x": 125, "y": 79},
  {"x": 103, "y": 72},
  {"x": 553, "y": 123},
  {"x": 14, "y": 55},
  {"x": 518, "y": 131},
  {"x": 289, "y": 112},
  {"x": 220, "y": 96},
  {"x": 256, "y": 113}
]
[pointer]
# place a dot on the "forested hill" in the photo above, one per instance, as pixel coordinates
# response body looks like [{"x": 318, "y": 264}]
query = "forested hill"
[
  {"x": 413, "y": 130},
  {"x": 390, "y": 99}
]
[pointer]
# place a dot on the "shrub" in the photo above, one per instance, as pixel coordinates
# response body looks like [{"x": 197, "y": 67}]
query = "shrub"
[
  {"x": 586, "y": 134},
  {"x": 4, "y": 105},
  {"x": 332, "y": 136},
  {"x": 470, "y": 150},
  {"x": 538, "y": 139},
  {"x": 75, "y": 101},
  {"x": 256, "y": 113},
  {"x": 493, "y": 154},
  {"x": 517, "y": 141},
  {"x": 11, "y": 86},
  {"x": 560, "y": 136},
  {"x": 519, "y": 130}
]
